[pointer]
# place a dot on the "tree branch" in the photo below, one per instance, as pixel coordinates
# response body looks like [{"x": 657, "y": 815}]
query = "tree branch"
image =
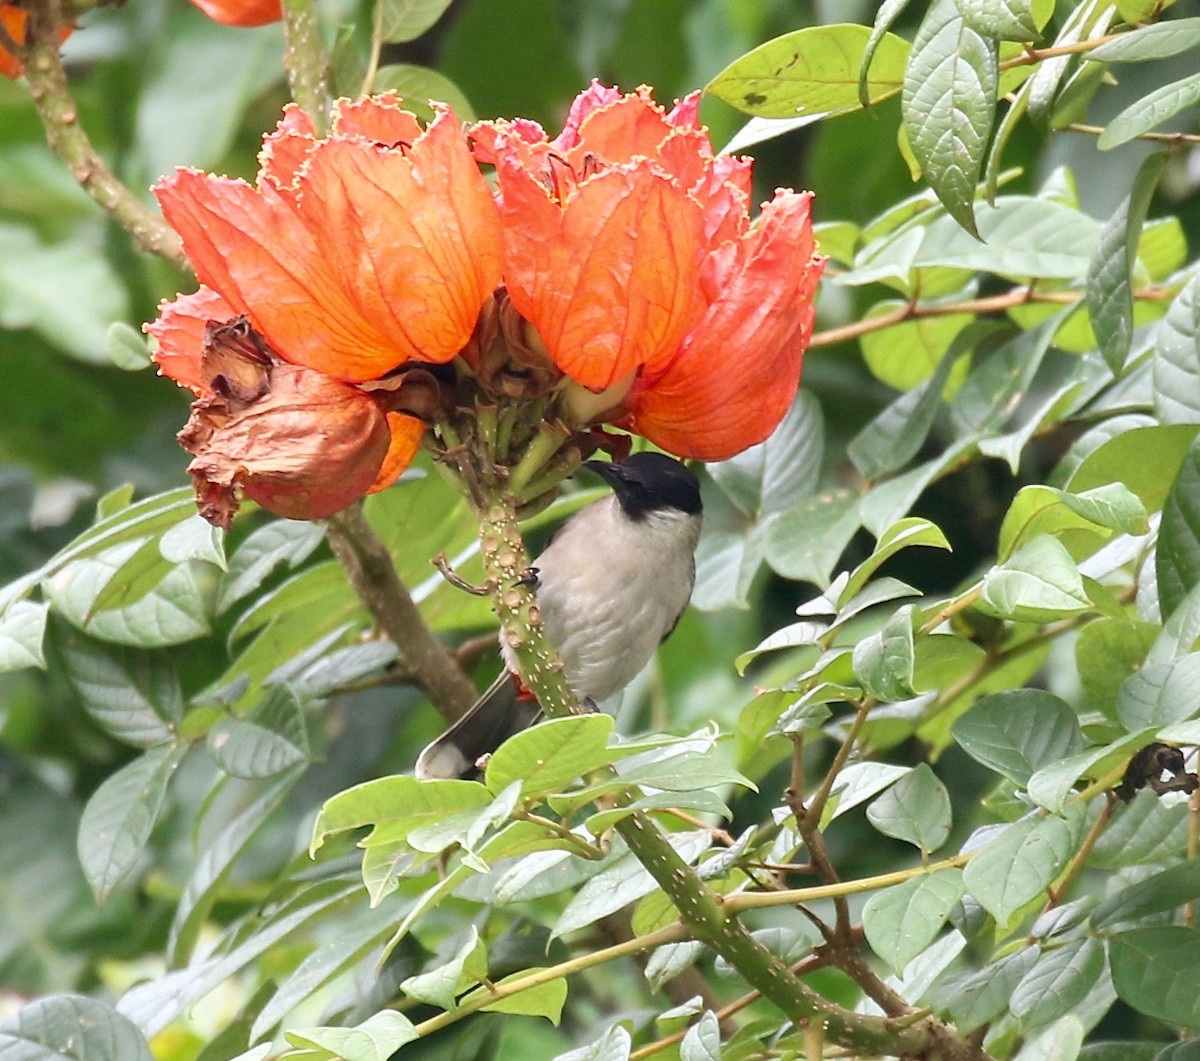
[
  {"x": 66, "y": 138},
  {"x": 369, "y": 568}
]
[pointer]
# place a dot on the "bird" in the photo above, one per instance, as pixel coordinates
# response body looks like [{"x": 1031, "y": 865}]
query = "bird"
[{"x": 611, "y": 585}]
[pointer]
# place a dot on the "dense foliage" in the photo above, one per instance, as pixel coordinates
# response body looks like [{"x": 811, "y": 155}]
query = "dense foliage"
[{"x": 918, "y": 767}]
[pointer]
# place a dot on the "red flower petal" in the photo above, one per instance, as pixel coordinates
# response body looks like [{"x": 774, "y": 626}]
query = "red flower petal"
[
  {"x": 377, "y": 256},
  {"x": 738, "y": 370},
  {"x": 180, "y": 334},
  {"x": 380, "y": 118},
  {"x": 609, "y": 279},
  {"x": 285, "y": 150},
  {"x": 241, "y": 12},
  {"x": 407, "y": 432}
]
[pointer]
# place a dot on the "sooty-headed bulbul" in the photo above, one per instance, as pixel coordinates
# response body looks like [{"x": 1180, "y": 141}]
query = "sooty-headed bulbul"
[{"x": 611, "y": 585}]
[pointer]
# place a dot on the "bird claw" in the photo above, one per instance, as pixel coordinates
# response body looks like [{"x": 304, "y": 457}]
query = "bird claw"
[{"x": 530, "y": 578}]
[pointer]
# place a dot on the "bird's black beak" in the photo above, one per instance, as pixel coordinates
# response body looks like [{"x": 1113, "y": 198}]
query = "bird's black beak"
[{"x": 607, "y": 470}]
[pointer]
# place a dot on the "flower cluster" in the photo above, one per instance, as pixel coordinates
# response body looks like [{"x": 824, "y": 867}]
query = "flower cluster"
[{"x": 614, "y": 269}]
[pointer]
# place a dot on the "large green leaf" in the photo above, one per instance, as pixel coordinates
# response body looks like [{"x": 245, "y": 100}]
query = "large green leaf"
[
  {"x": 883, "y": 662},
  {"x": 1037, "y": 584},
  {"x": 118, "y": 818},
  {"x": 813, "y": 71},
  {"x": 1062, "y": 978},
  {"x": 22, "y": 629},
  {"x": 916, "y": 809},
  {"x": 1018, "y": 731},
  {"x": 545, "y": 758},
  {"x": 1157, "y": 894},
  {"x": 70, "y": 1028},
  {"x": 1154, "y": 970},
  {"x": 949, "y": 103},
  {"x": 375, "y": 1039},
  {"x": 406, "y": 20},
  {"x": 901, "y": 921},
  {"x": 1016, "y": 866},
  {"x": 1009, "y": 20}
]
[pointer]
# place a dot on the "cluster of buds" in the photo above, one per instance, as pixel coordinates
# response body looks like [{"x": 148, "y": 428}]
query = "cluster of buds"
[{"x": 374, "y": 289}]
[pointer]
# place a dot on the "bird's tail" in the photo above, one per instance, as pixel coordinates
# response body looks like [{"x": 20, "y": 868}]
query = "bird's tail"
[{"x": 493, "y": 718}]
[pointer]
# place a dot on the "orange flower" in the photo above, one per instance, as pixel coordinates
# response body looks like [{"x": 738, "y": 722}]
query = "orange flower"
[
  {"x": 354, "y": 256},
  {"x": 241, "y": 12},
  {"x": 15, "y": 23},
  {"x": 629, "y": 247}
]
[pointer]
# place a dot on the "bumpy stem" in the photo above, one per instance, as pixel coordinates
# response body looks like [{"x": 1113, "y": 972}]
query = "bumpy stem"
[
  {"x": 432, "y": 666},
  {"x": 701, "y": 910},
  {"x": 66, "y": 138},
  {"x": 305, "y": 60}
]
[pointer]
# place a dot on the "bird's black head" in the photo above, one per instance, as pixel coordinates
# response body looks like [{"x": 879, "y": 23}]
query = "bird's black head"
[{"x": 649, "y": 482}]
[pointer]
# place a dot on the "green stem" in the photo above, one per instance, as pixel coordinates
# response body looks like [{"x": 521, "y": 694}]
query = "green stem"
[
  {"x": 305, "y": 60},
  {"x": 67, "y": 139},
  {"x": 793, "y": 896},
  {"x": 671, "y": 934},
  {"x": 704, "y": 913}
]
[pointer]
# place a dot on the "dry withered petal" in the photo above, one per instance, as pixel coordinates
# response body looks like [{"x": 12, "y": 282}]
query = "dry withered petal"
[
  {"x": 301, "y": 444},
  {"x": 1149, "y": 765},
  {"x": 414, "y": 391},
  {"x": 509, "y": 361}
]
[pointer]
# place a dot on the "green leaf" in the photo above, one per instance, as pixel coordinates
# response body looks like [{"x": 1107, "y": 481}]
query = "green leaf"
[
  {"x": 1150, "y": 111},
  {"x": 897, "y": 434},
  {"x": 901, "y": 921},
  {"x": 1062, "y": 978},
  {"x": 356, "y": 939},
  {"x": 1159, "y": 694},
  {"x": 1018, "y": 731},
  {"x": 856, "y": 784},
  {"x": 441, "y": 986},
  {"x": 905, "y": 355},
  {"x": 1158, "y": 894},
  {"x": 22, "y": 631},
  {"x": 703, "y": 1040},
  {"x": 1037, "y": 584},
  {"x": 118, "y": 818},
  {"x": 614, "y": 1045},
  {"x": 548, "y": 757},
  {"x": 1159, "y": 41},
  {"x": 406, "y": 20},
  {"x": 883, "y": 662},
  {"x": 67, "y": 292},
  {"x": 1177, "y": 357},
  {"x": 1145, "y": 459},
  {"x": 1107, "y": 652},
  {"x": 544, "y": 1000},
  {"x": 806, "y": 542},
  {"x": 1052, "y": 783},
  {"x": 1154, "y": 970},
  {"x": 375, "y": 1039},
  {"x": 782, "y": 471},
  {"x": 1177, "y": 560},
  {"x": 418, "y": 85},
  {"x": 903, "y": 534},
  {"x": 1007, "y": 20},
  {"x": 812, "y": 71},
  {"x": 950, "y": 87},
  {"x": 623, "y": 880},
  {"x": 916, "y": 809},
  {"x": 127, "y": 347},
  {"x": 215, "y": 864},
  {"x": 134, "y": 695},
  {"x": 889, "y": 11},
  {"x": 70, "y": 1028},
  {"x": 1073, "y": 519},
  {"x": 269, "y": 741},
  {"x": 1019, "y": 864},
  {"x": 281, "y": 542},
  {"x": 1109, "y": 291},
  {"x": 974, "y": 997}
]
